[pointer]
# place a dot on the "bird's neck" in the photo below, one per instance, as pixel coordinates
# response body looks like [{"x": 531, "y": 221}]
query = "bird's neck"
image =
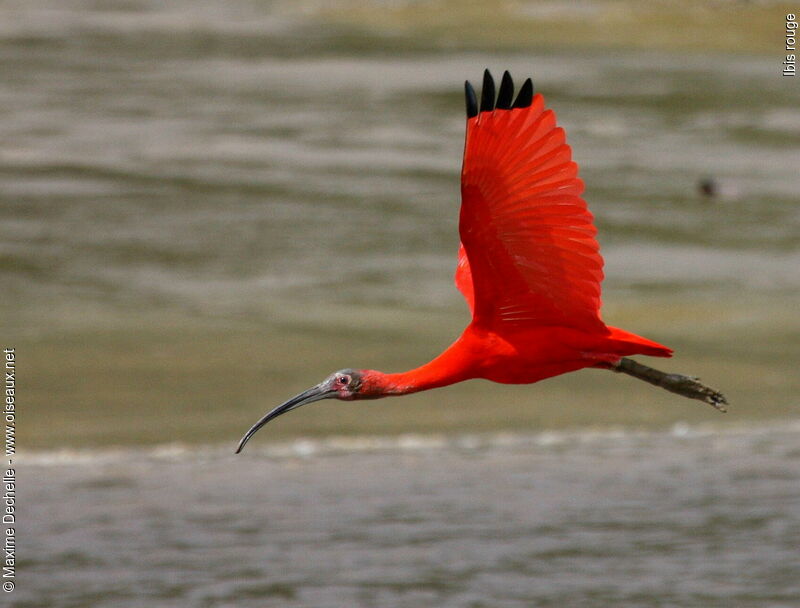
[{"x": 454, "y": 365}]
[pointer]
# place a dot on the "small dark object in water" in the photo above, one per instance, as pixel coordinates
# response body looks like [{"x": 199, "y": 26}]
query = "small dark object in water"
[{"x": 708, "y": 187}]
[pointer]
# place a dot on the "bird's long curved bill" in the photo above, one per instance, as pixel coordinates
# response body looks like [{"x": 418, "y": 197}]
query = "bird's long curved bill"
[{"x": 313, "y": 394}]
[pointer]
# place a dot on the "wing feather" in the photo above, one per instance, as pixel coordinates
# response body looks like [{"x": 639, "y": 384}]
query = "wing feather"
[{"x": 528, "y": 253}]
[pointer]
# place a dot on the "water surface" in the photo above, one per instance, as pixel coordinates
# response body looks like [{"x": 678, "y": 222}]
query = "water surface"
[
  {"x": 689, "y": 518},
  {"x": 208, "y": 207}
]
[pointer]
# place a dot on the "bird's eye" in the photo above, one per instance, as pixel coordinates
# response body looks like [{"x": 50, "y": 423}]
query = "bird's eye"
[{"x": 343, "y": 380}]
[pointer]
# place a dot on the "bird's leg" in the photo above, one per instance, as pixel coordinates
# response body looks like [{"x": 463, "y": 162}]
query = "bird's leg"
[{"x": 687, "y": 386}]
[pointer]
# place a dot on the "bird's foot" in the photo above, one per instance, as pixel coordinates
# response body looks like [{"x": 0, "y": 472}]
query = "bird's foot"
[{"x": 691, "y": 387}]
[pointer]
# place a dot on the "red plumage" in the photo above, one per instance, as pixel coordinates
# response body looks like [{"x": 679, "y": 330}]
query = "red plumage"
[{"x": 529, "y": 265}]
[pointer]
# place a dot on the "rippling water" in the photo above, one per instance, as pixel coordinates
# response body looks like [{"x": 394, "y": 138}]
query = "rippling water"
[
  {"x": 222, "y": 160},
  {"x": 208, "y": 206},
  {"x": 694, "y": 517}
]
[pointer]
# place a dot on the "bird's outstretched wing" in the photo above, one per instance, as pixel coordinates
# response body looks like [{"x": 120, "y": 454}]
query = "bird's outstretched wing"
[{"x": 528, "y": 254}]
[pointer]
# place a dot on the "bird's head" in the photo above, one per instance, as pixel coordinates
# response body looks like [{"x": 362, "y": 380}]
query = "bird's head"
[{"x": 346, "y": 384}]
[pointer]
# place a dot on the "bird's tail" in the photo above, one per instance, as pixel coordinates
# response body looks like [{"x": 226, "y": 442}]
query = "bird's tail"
[{"x": 637, "y": 345}]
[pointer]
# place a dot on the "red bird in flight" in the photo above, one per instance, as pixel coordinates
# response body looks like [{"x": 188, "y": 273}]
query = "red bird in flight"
[{"x": 529, "y": 267}]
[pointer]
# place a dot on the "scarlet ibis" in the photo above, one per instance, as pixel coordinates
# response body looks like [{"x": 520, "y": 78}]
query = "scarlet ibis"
[{"x": 528, "y": 265}]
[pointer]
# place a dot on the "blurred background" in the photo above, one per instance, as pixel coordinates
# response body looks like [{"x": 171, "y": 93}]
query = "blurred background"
[{"x": 207, "y": 207}]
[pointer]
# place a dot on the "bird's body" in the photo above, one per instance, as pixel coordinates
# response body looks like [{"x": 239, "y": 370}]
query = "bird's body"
[
  {"x": 523, "y": 356},
  {"x": 529, "y": 268}
]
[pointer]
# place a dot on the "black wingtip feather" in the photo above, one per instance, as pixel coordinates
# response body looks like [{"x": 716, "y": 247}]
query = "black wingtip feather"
[
  {"x": 487, "y": 94},
  {"x": 525, "y": 96},
  {"x": 506, "y": 94},
  {"x": 472, "y": 100}
]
